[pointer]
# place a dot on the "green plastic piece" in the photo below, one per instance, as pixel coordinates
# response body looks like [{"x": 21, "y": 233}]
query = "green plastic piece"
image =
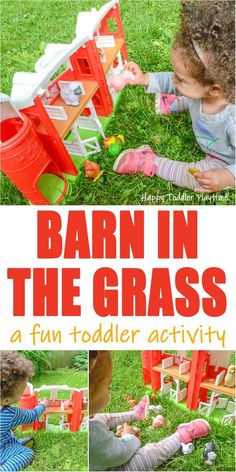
[
  {"x": 51, "y": 186},
  {"x": 114, "y": 149}
]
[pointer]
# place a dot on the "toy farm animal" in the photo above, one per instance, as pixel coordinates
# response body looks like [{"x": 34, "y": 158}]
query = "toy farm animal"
[
  {"x": 92, "y": 170},
  {"x": 155, "y": 408},
  {"x": 209, "y": 452},
  {"x": 158, "y": 421},
  {"x": 230, "y": 377},
  {"x": 118, "y": 82},
  {"x": 186, "y": 449},
  {"x": 120, "y": 428},
  {"x": 70, "y": 93}
]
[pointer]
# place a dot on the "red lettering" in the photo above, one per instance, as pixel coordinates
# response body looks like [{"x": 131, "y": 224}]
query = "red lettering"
[
  {"x": 188, "y": 305},
  {"x": 185, "y": 232},
  {"x": 216, "y": 304},
  {"x": 49, "y": 238},
  {"x": 160, "y": 294},
  {"x": 105, "y": 299},
  {"x": 69, "y": 291},
  {"x": 133, "y": 296},
  {"x": 131, "y": 234},
  {"x": 45, "y": 286},
  {"x": 76, "y": 236},
  {"x": 104, "y": 226},
  {"x": 163, "y": 234},
  {"x": 19, "y": 277}
]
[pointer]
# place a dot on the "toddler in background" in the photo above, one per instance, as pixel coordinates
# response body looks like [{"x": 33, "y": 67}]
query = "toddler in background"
[
  {"x": 108, "y": 452},
  {"x": 203, "y": 61},
  {"x": 15, "y": 371}
]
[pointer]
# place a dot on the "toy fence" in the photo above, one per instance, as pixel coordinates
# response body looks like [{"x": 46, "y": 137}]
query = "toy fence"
[{"x": 166, "y": 372}]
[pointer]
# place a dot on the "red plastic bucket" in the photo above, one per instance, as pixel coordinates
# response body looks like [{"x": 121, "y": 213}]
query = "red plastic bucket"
[{"x": 24, "y": 158}]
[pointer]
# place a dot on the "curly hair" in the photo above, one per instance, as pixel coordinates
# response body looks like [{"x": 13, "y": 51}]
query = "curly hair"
[
  {"x": 211, "y": 24},
  {"x": 14, "y": 369}
]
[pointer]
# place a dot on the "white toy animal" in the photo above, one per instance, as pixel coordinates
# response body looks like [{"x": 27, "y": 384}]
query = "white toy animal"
[{"x": 71, "y": 92}]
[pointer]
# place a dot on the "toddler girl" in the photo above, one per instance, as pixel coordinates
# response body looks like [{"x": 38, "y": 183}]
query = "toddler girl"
[
  {"x": 202, "y": 58},
  {"x": 15, "y": 370},
  {"x": 108, "y": 452}
]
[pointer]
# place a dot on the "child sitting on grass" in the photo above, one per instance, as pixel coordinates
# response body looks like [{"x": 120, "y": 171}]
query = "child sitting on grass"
[
  {"x": 202, "y": 58},
  {"x": 108, "y": 452},
  {"x": 15, "y": 371}
]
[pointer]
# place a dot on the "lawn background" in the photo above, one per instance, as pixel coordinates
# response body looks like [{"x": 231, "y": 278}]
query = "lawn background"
[
  {"x": 56, "y": 450},
  {"x": 127, "y": 380},
  {"x": 149, "y": 25}
]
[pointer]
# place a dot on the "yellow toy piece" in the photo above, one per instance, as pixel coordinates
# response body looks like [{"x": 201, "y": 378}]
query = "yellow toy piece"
[
  {"x": 114, "y": 139},
  {"x": 192, "y": 170}
]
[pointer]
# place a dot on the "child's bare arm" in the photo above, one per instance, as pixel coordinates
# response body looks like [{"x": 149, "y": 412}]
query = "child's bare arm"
[{"x": 214, "y": 180}]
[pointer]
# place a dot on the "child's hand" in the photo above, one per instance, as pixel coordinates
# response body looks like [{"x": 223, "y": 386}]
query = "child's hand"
[
  {"x": 45, "y": 401},
  {"x": 214, "y": 180},
  {"x": 127, "y": 429},
  {"x": 140, "y": 77}
]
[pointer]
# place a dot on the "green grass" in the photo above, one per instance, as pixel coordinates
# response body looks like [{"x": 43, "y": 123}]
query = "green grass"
[
  {"x": 127, "y": 380},
  {"x": 61, "y": 451},
  {"x": 149, "y": 25},
  {"x": 57, "y": 450}
]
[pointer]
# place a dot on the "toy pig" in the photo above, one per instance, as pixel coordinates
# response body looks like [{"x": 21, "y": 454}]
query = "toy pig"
[
  {"x": 92, "y": 170},
  {"x": 230, "y": 377},
  {"x": 70, "y": 93},
  {"x": 118, "y": 82},
  {"x": 158, "y": 421},
  {"x": 209, "y": 452}
]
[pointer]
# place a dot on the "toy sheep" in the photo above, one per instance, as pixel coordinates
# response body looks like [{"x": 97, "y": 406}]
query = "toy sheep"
[
  {"x": 186, "y": 449},
  {"x": 70, "y": 93},
  {"x": 156, "y": 408},
  {"x": 230, "y": 377}
]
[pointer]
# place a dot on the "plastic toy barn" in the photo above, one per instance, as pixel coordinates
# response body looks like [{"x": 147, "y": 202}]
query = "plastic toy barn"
[
  {"x": 71, "y": 412},
  {"x": 197, "y": 382},
  {"x": 43, "y": 139}
]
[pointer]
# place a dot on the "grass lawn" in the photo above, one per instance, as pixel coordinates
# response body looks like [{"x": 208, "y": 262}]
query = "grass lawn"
[
  {"x": 149, "y": 25},
  {"x": 127, "y": 380},
  {"x": 57, "y": 450}
]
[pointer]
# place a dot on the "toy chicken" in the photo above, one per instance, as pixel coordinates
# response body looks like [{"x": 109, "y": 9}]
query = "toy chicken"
[{"x": 92, "y": 170}]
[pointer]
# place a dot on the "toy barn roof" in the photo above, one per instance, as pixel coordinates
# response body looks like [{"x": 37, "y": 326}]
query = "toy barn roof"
[{"x": 28, "y": 85}]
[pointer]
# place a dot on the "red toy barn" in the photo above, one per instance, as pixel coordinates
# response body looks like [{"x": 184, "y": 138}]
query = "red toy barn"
[
  {"x": 40, "y": 139},
  {"x": 192, "y": 379}
]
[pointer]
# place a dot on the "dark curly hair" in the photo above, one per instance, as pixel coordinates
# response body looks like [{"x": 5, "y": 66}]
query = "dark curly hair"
[
  {"x": 14, "y": 369},
  {"x": 211, "y": 24}
]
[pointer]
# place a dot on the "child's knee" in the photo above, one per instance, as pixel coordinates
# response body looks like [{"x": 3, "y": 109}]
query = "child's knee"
[
  {"x": 29, "y": 452},
  {"x": 27, "y": 455}
]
